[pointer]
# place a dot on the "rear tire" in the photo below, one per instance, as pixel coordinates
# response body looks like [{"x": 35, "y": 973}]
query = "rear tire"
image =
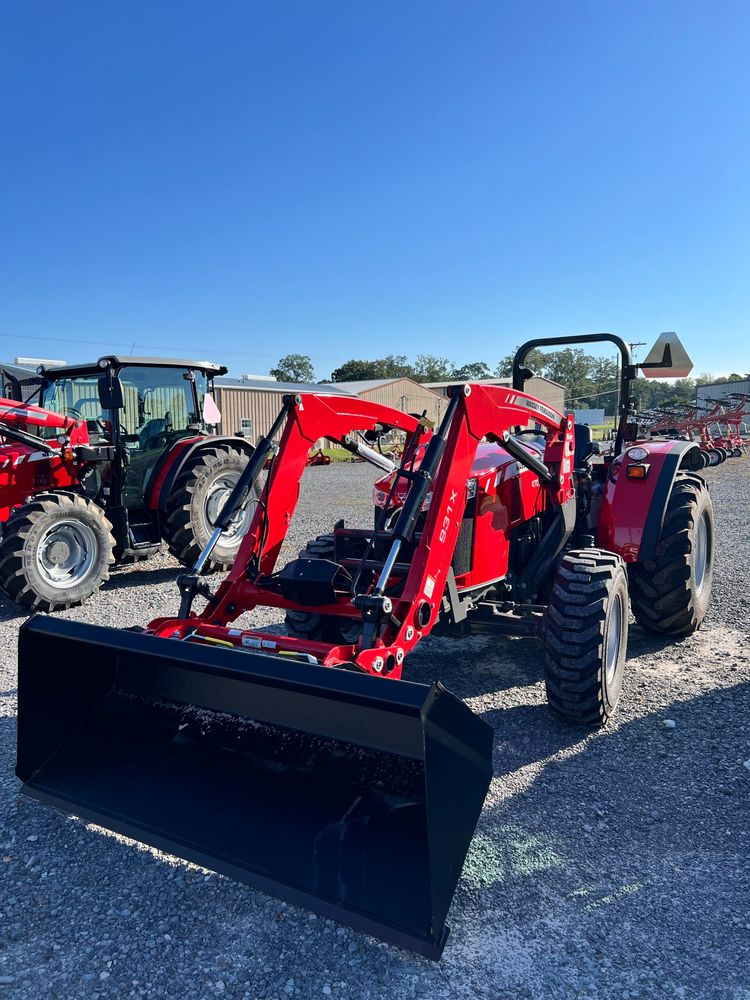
[
  {"x": 316, "y": 627},
  {"x": 671, "y": 594},
  {"x": 196, "y": 502},
  {"x": 55, "y": 552},
  {"x": 586, "y": 636}
]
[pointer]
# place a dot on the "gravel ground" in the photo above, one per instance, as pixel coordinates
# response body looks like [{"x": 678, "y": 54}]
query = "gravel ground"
[{"x": 613, "y": 864}]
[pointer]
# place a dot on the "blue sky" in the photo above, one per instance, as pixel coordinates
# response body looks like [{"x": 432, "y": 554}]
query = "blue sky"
[{"x": 240, "y": 180}]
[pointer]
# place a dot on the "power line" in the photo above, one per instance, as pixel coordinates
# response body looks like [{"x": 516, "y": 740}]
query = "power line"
[
  {"x": 148, "y": 347},
  {"x": 580, "y": 399}
]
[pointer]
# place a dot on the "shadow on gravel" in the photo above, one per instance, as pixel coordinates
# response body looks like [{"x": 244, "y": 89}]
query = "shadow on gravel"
[
  {"x": 131, "y": 576},
  {"x": 10, "y": 611},
  {"x": 629, "y": 857},
  {"x": 526, "y": 734},
  {"x": 642, "y": 642},
  {"x": 476, "y": 666}
]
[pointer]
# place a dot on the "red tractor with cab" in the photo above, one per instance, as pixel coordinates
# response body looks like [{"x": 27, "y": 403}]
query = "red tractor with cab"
[{"x": 102, "y": 463}]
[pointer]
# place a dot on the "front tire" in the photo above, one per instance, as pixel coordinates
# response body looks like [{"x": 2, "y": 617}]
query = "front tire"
[
  {"x": 586, "y": 636},
  {"x": 56, "y": 552},
  {"x": 195, "y": 504},
  {"x": 671, "y": 594}
]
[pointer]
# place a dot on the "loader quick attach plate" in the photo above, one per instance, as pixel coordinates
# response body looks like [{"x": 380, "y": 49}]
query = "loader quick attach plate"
[{"x": 352, "y": 795}]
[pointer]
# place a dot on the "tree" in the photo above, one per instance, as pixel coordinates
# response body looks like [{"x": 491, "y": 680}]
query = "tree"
[
  {"x": 354, "y": 371},
  {"x": 604, "y": 375},
  {"x": 391, "y": 366},
  {"x": 472, "y": 372},
  {"x": 428, "y": 368},
  {"x": 394, "y": 366},
  {"x": 571, "y": 367},
  {"x": 535, "y": 361},
  {"x": 294, "y": 368}
]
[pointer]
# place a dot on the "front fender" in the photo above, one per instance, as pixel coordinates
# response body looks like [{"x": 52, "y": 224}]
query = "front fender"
[
  {"x": 174, "y": 461},
  {"x": 632, "y": 511}
]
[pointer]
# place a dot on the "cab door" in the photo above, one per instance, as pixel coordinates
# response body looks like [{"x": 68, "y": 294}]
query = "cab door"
[{"x": 160, "y": 404}]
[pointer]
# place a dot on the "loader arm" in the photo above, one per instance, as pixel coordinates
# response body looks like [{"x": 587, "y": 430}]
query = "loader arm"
[
  {"x": 396, "y": 623},
  {"x": 17, "y": 414}
]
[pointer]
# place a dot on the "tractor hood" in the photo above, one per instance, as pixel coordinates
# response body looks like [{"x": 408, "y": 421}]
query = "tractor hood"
[
  {"x": 489, "y": 460},
  {"x": 14, "y": 452}
]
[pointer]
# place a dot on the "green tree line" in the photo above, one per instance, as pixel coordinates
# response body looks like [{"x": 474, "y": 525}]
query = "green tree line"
[{"x": 590, "y": 381}]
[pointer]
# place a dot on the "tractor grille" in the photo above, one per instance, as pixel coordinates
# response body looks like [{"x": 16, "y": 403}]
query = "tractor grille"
[{"x": 462, "y": 557}]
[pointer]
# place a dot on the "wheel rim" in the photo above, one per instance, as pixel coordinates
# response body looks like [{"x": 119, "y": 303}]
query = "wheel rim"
[
  {"x": 701, "y": 554},
  {"x": 614, "y": 639},
  {"x": 66, "y": 553},
  {"x": 217, "y": 496}
]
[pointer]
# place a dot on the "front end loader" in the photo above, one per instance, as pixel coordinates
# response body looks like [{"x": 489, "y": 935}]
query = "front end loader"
[{"x": 299, "y": 760}]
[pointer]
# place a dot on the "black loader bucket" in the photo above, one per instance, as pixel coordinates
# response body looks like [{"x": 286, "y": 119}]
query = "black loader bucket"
[{"x": 352, "y": 795}]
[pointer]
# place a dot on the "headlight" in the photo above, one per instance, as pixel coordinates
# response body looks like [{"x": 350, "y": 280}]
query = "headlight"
[
  {"x": 471, "y": 489},
  {"x": 427, "y": 500},
  {"x": 638, "y": 454},
  {"x": 380, "y": 498}
]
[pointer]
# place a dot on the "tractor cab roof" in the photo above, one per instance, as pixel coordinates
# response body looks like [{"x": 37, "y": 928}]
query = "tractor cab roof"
[{"x": 122, "y": 360}]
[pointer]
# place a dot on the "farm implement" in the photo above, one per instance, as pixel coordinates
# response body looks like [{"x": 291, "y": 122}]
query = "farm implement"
[
  {"x": 299, "y": 760},
  {"x": 715, "y": 424}
]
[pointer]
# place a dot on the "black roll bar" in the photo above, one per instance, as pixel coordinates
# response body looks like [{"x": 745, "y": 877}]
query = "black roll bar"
[{"x": 628, "y": 370}]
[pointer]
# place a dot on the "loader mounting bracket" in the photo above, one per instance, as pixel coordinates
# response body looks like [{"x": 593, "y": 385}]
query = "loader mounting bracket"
[{"x": 190, "y": 586}]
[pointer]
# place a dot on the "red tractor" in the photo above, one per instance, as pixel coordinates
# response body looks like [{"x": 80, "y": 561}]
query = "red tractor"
[
  {"x": 296, "y": 759},
  {"x": 114, "y": 459}
]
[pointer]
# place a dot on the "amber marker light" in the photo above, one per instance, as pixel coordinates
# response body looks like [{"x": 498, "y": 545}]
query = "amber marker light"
[{"x": 637, "y": 470}]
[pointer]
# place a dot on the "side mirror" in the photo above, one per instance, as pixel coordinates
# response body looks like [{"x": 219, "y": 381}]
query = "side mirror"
[
  {"x": 110, "y": 393},
  {"x": 667, "y": 358}
]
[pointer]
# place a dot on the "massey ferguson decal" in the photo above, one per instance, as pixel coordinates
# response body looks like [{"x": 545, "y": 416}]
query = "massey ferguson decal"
[
  {"x": 14, "y": 411},
  {"x": 533, "y": 404}
]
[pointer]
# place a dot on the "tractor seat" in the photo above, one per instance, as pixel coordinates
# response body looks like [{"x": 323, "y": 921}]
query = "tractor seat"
[
  {"x": 152, "y": 433},
  {"x": 583, "y": 448}
]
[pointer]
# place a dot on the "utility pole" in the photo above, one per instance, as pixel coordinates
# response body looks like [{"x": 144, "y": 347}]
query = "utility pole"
[
  {"x": 637, "y": 343},
  {"x": 632, "y": 346}
]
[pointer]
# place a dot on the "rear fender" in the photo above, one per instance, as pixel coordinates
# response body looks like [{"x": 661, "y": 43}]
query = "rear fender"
[
  {"x": 632, "y": 511},
  {"x": 174, "y": 461}
]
